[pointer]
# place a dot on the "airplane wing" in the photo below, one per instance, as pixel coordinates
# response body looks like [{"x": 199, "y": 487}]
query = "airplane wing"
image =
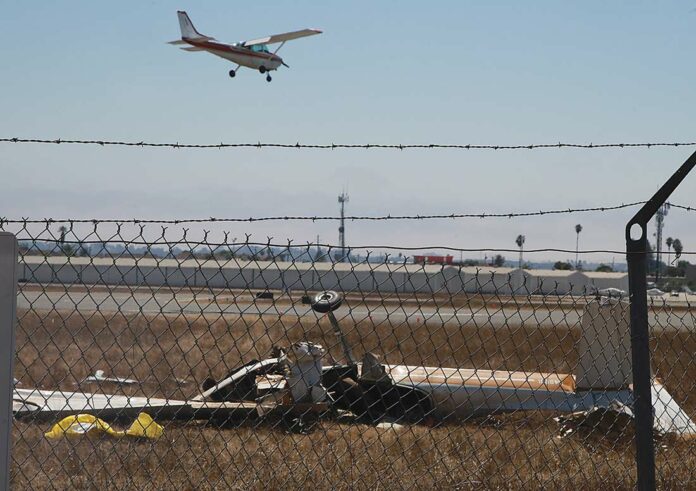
[
  {"x": 193, "y": 48},
  {"x": 281, "y": 38}
]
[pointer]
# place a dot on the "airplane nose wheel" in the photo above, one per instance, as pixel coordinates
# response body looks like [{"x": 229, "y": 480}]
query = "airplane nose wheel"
[
  {"x": 232, "y": 73},
  {"x": 268, "y": 78}
]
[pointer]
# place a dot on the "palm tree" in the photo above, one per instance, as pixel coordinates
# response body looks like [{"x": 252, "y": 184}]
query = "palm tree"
[
  {"x": 62, "y": 230},
  {"x": 520, "y": 243},
  {"x": 578, "y": 229},
  {"x": 64, "y": 248},
  {"x": 678, "y": 248},
  {"x": 669, "y": 243}
]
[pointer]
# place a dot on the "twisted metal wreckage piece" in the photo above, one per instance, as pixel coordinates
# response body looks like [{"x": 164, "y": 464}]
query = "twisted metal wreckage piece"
[{"x": 296, "y": 382}]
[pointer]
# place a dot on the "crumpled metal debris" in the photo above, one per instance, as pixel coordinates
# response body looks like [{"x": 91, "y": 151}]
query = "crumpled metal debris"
[
  {"x": 99, "y": 376},
  {"x": 389, "y": 425},
  {"x": 305, "y": 372},
  {"x": 612, "y": 422}
]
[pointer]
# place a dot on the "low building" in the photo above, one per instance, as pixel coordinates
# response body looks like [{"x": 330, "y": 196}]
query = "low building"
[
  {"x": 556, "y": 282},
  {"x": 300, "y": 276},
  {"x": 600, "y": 281}
]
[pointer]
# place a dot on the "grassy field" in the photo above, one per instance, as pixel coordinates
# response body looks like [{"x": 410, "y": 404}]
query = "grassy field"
[{"x": 57, "y": 349}]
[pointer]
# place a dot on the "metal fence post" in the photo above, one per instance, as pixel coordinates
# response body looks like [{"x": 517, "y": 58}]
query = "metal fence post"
[
  {"x": 8, "y": 305},
  {"x": 637, "y": 259}
]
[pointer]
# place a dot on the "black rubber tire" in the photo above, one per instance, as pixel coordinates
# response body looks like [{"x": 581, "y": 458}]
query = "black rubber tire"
[
  {"x": 268, "y": 78},
  {"x": 232, "y": 73},
  {"x": 327, "y": 301},
  {"x": 262, "y": 69}
]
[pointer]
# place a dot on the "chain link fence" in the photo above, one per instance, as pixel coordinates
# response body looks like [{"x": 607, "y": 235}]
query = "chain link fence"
[{"x": 225, "y": 364}]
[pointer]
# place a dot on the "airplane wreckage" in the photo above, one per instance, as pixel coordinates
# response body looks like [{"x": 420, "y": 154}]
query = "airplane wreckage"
[{"x": 296, "y": 382}]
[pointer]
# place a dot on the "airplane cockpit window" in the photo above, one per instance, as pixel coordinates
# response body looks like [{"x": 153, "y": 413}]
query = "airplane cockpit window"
[{"x": 260, "y": 48}]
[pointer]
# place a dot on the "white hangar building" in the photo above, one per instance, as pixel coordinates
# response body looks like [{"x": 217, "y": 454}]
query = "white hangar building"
[{"x": 299, "y": 276}]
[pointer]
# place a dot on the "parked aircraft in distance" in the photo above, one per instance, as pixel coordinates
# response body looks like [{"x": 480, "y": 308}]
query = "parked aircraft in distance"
[{"x": 252, "y": 54}]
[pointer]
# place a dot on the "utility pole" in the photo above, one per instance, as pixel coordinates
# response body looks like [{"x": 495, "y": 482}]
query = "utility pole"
[
  {"x": 342, "y": 200},
  {"x": 660, "y": 223},
  {"x": 578, "y": 229}
]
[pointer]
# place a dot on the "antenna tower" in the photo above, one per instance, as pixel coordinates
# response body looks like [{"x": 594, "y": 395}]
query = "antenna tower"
[
  {"x": 342, "y": 200},
  {"x": 660, "y": 222}
]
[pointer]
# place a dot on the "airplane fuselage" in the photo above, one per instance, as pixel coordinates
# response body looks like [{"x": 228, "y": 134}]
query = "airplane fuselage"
[{"x": 239, "y": 54}]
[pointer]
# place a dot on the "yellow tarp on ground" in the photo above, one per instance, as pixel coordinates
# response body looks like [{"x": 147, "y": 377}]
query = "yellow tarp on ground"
[{"x": 86, "y": 424}]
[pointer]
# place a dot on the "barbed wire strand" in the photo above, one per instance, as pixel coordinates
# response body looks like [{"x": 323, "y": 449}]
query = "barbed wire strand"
[
  {"x": 317, "y": 218},
  {"x": 336, "y": 146}
]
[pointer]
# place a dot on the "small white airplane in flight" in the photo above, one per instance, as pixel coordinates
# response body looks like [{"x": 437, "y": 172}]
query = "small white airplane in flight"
[{"x": 253, "y": 54}]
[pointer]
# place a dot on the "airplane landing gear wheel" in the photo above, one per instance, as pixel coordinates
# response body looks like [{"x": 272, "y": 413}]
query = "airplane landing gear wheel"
[
  {"x": 268, "y": 78},
  {"x": 262, "y": 69},
  {"x": 232, "y": 73},
  {"x": 326, "y": 301}
]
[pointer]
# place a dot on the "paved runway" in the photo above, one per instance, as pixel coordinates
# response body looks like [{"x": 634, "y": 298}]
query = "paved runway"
[{"x": 392, "y": 312}]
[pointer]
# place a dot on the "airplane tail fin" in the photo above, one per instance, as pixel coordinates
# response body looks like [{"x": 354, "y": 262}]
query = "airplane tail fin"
[{"x": 187, "y": 29}]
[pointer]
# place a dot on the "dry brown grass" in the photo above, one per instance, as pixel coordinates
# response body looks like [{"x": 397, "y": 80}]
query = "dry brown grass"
[{"x": 56, "y": 349}]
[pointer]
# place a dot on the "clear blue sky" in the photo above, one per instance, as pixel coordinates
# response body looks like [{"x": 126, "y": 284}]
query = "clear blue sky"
[{"x": 390, "y": 71}]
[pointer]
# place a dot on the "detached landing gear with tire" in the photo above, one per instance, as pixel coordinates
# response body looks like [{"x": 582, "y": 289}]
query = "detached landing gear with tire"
[
  {"x": 232, "y": 73},
  {"x": 268, "y": 78},
  {"x": 325, "y": 303}
]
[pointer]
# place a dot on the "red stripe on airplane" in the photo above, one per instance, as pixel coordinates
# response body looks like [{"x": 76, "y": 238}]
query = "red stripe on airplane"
[{"x": 231, "y": 49}]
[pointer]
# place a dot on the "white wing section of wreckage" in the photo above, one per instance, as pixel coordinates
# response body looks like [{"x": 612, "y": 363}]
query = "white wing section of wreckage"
[{"x": 296, "y": 382}]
